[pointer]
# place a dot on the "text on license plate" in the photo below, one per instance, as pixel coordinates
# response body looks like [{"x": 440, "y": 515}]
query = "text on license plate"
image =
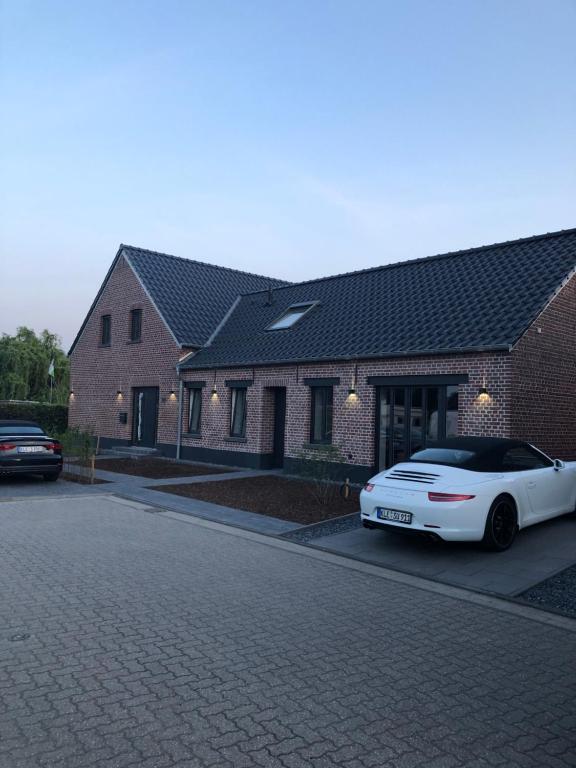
[
  {"x": 394, "y": 515},
  {"x": 30, "y": 449}
]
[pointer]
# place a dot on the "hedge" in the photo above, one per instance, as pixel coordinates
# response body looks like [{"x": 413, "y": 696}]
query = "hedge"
[{"x": 52, "y": 418}]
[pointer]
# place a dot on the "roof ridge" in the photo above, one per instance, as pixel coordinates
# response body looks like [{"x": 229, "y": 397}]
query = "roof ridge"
[
  {"x": 204, "y": 264},
  {"x": 420, "y": 259}
]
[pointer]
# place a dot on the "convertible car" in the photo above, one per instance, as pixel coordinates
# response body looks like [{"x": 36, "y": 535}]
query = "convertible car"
[
  {"x": 26, "y": 449},
  {"x": 470, "y": 489}
]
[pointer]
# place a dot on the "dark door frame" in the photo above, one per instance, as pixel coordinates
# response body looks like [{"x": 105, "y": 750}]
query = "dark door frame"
[
  {"x": 441, "y": 388},
  {"x": 279, "y": 427},
  {"x": 135, "y": 393}
]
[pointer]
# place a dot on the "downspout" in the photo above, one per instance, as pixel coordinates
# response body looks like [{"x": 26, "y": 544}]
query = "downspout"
[{"x": 180, "y": 404}]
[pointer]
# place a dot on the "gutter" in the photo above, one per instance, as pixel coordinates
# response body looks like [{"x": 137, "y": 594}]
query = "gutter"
[
  {"x": 348, "y": 358},
  {"x": 180, "y": 409}
]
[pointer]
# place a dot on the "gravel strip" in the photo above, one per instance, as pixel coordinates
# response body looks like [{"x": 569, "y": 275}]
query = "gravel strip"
[
  {"x": 558, "y": 592},
  {"x": 325, "y": 528}
]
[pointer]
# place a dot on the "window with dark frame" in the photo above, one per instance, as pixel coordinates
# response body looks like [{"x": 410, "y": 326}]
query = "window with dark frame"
[
  {"x": 291, "y": 316},
  {"x": 321, "y": 415},
  {"x": 105, "y": 330},
  {"x": 238, "y": 412},
  {"x": 410, "y": 417},
  {"x": 195, "y": 411},
  {"x": 135, "y": 324}
]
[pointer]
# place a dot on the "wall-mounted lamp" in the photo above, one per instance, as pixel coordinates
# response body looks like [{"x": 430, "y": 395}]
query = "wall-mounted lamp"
[
  {"x": 172, "y": 395},
  {"x": 352, "y": 394},
  {"x": 71, "y": 394},
  {"x": 483, "y": 395},
  {"x": 214, "y": 392},
  {"x": 119, "y": 394}
]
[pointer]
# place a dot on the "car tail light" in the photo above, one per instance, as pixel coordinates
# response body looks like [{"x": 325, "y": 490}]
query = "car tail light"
[
  {"x": 7, "y": 446},
  {"x": 56, "y": 447},
  {"x": 449, "y": 496},
  {"x": 369, "y": 487}
]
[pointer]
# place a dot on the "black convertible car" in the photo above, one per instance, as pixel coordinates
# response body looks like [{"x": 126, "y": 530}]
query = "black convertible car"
[{"x": 26, "y": 448}]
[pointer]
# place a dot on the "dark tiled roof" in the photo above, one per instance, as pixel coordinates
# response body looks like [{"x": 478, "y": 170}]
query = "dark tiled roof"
[
  {"x": 192, "y": 297},
  {"x": 483, "y": 298}
]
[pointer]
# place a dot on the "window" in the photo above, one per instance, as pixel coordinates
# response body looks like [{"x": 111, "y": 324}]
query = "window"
[
  {"x": 105, "y": 330},
  {"x": 135, "y": 324},
  {"x": 451, "y": 411},
  {"x": 238, "y": 412},
  {"x": 21, "y": 430},
  {"x": 195, "y": 411},
  {"x": 409, "y": 418},
  {"x": 290, "y": 316},
  {"x": 521, "y": 458},
  {"x": 451, "y": 456},
  {"x": 321, "y": 415}
]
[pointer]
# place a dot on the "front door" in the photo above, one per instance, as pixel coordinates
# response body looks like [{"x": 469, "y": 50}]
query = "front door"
[
  {"x": 279, "y": 425},
  {"x": 145, "y": 416}
]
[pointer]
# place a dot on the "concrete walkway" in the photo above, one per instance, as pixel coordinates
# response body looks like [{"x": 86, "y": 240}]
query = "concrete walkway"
[
  {"x": 139, "y": 489},
  {"x": 118, "y": 477}
]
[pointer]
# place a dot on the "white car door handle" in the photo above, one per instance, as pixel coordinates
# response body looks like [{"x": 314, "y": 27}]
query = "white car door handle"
[{"x": 532, "y": 484}]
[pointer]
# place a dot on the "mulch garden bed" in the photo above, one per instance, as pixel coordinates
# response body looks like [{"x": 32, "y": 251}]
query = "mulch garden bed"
[
  {"x": 157, "y": 468},
  {"x": 273, "y": 496}
]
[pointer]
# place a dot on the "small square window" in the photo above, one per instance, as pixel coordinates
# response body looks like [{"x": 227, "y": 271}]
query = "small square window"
[
  {"x": 195, "y": 411},
  {"x": 135, "y": 324},
  {"x": 291, "y": 316},
  {"x": 105, "y": 330},
  {"x": 238, "y": 412}
]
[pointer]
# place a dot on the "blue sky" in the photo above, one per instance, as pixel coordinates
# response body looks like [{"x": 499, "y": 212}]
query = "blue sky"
[{"x": 294, "y": 139}]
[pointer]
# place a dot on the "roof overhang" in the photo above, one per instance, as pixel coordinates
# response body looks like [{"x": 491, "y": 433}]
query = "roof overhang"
[{"x": 501, "y": 348}]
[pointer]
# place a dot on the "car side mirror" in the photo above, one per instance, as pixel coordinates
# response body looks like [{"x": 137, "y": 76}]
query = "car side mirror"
[{"x": 558, "y": 464}]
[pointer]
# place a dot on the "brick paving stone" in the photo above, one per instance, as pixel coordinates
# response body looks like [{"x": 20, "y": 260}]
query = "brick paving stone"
[{"x": 134, "y": 640}]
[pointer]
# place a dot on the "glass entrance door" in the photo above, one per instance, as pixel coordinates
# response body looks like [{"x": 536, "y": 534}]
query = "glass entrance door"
[{"x": 408, "y": 418}]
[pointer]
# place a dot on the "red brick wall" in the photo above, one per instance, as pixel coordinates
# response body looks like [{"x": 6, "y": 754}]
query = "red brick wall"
[
  {"x": 532, "y": 391},
  {"x": 97, "y": 372},
  {"x": 353, "y": 422},
  {"x": 544, "y": 378}
]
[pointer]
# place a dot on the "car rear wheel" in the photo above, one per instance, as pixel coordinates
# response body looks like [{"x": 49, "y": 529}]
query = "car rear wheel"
[
  {"x": 51, "y": 476},
  {"x": 501, "y": 524}
]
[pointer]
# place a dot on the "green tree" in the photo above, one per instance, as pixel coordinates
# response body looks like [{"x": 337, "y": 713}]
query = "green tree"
[{"x": 24, "y": 362}]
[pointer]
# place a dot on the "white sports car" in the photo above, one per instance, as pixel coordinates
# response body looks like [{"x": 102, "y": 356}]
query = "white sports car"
[{"x": 470, "y": 489}]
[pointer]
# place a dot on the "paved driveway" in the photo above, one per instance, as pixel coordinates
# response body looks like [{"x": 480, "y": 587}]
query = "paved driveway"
[
  {"x": 538, "y": 553},
  {"x": 27, "y": 486},
  {"x": 141, "y": 638}
]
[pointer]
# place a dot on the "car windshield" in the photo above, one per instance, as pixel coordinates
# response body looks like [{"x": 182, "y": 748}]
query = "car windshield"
[
  {"x": 453, "y": 456},
  {"x": 18, "y": 430}
]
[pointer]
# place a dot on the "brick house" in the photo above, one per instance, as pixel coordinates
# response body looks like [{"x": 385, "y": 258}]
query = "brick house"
[
  {"x": 151, "y": 310},
  {"x": 378, "y": 362}
]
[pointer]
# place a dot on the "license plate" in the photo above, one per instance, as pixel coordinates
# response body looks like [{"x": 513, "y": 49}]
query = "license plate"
[
  {"x": 394, "y": 515},
  {"x": 30, "y": 449}
]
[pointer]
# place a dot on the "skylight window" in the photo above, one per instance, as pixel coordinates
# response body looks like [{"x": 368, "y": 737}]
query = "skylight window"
[{"x": 291, "y": 316}]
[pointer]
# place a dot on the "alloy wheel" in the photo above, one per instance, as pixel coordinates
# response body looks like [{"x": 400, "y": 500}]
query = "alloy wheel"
[{"x": 503, "y": 523}]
